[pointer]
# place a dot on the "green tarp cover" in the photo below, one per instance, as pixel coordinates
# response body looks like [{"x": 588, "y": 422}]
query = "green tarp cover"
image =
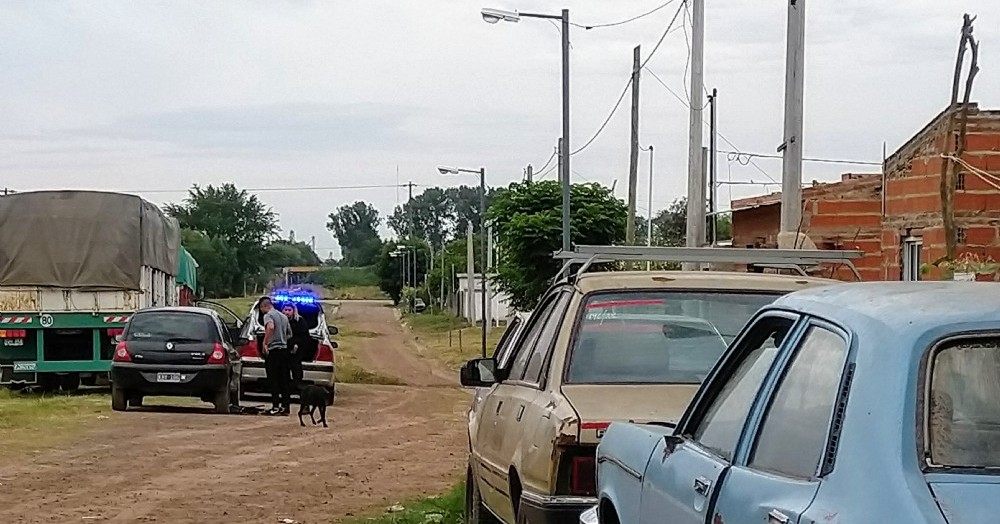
[{"x": 188, "y": 273}]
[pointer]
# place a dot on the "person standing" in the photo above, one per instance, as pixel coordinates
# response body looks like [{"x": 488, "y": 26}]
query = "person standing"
[
  {"x": 276, "y": 355},
  {"x": 298, "y": 344}
]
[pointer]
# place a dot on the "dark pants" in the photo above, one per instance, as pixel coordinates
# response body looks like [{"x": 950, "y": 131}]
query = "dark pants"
[
  {"x": 295, "y": 365},
  {"x": 279, "y": 374}
]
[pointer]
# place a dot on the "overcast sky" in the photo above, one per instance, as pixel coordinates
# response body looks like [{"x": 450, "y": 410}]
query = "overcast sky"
[{"x": 152, "y": 97}]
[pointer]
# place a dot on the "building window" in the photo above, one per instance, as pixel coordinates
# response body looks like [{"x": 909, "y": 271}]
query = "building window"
[
  {"x": 911, "y": 258},
  {"x": 960, "y": 182},
  {"x": 960, "y": 235}
]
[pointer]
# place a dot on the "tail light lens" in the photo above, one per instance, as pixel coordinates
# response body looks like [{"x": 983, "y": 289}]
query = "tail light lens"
[
  {"x": 324, "y": 353},
  {"x": 249, "y": 349},
  {"x": 121, "y": 353},
  {"x": 114, "y": 332},
  {"x": 583, "y": 476},
  {"x": 218, "y": 355},
  {"x": 13, "y": 333}
]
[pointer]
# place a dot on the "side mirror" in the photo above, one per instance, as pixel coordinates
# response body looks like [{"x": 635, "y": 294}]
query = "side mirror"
[
  {"x": 332, "y": 330},
  {"x": 479, "y": 373},
  {"x": 334, "y": 344}
]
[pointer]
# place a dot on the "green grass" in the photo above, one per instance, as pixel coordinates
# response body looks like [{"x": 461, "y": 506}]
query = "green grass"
[
  {"x": 29, "y": 421},
  {"x": 451, "y": 340},
  {"x": 239, "y": 305},
  {"x": 336, "y": 277},
  {"x": 358, "y": 293},
  {"x": 444, "y": 509}
]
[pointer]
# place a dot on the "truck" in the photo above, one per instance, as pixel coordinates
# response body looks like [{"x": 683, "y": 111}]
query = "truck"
[{"x": 74, "y": 266}]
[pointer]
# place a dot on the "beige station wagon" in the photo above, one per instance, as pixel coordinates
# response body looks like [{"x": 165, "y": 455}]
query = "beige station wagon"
[{"x": 622, "y": 346}]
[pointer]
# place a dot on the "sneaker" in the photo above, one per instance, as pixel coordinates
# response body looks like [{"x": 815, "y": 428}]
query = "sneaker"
[
  {"x": 274, "y": 411},
  {"x": 284, "y": 412}
]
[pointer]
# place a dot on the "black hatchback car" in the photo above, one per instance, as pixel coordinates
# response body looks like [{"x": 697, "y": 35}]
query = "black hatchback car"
[{"x": 179, "y": 352}]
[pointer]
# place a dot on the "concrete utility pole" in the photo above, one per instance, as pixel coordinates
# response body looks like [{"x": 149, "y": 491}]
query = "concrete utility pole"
[
  {"x": 696, "y": 177},
  {"x": 791, "y": 147},
  {"x": 486, "y": 286},
  {"x": 470, "y": 274},
  {"x": 633, "y": 166},
  {"x": 528, "y": 174},
  {"x": 564, "y": 146}
]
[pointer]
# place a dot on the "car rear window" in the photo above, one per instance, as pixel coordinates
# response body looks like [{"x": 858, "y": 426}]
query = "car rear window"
[
  {"x": 658, "y": 337},
  {"x": 171, "y": 325},
  {"x": 964, "y": 409}
]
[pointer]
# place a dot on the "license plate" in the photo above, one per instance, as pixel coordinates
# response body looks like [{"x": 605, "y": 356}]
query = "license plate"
[
  {"x": 24, "y": 366},
  {"x": 13, "y": 342},
  {"x": 168, "y": 377}
]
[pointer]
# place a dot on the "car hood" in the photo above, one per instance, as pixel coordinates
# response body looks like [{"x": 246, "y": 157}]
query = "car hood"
[
  {"x": 967, "y": 498},
  {"x": 599, "y": 405}
]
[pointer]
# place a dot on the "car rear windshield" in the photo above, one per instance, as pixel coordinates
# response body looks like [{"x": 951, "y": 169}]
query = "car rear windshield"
[
  {"x": 658, "y": 337},
  {"x": 171, "y": 325},
  {"x": 964, "y": 409}
]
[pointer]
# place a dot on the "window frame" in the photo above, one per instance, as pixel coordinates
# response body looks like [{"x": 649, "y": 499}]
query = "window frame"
[
  {"x": 535, "y": 319},
  {"x": 582, "y": 310},
  {"x": 548, "y": 351},
  {"x": 763, "y": 403},
  {"x": 731, "y": 359},
  {"x": 922, "y": 400}
]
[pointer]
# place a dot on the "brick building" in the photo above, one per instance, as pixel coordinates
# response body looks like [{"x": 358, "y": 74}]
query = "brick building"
[{"x": 895, "y": 217}]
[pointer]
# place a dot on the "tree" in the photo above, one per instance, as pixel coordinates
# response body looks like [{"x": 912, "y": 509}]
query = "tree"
[
  {"x": 670, "y": 225},
  {"x": 389, "y": 267},
  {"x": 528, "y": 222},
  {"x": 232, "y": 217},
  {"x": 356, "y": 228},
  {"x": 284, "y": 253},
  {"x": 465, "y": 201},
  {"x": 218, "y": 274},
  {"x": 430, "y": 214}
]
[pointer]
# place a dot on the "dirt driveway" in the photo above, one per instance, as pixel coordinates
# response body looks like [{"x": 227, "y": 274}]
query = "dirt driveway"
[{"x": 385, "y": 444}]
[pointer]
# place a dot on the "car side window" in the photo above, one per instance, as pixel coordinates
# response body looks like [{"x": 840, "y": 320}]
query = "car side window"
[
  {"x": 503, "y": 346},
  {"x": 792, "y": 439},
  {"x": 546, "y": 337},
  {"x": 723, "y": 420},
  {"x": 534, "y": 329}
]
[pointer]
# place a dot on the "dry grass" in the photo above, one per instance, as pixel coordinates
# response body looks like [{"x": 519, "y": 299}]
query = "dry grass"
[
  {"x": 451, "y": 340},
  {"x": 29, "y": 421}
]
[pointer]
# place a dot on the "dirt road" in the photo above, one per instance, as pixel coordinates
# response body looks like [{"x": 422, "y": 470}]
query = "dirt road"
[{"x": 170, "y": 464}]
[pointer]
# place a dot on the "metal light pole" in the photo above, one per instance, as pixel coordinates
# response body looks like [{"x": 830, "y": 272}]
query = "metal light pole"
[
  {"x": 649, "y": 222},
  {"x": 493, "y": 16},
  {"x": 482, "y": 238}
]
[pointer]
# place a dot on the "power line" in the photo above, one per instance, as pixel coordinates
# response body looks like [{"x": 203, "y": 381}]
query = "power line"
[
  {"x": 817, "y": 160},
  {"x": 629, "y": 83},
  {"x": 623, "y": 22},
  {"x": 549, "y": 161}
]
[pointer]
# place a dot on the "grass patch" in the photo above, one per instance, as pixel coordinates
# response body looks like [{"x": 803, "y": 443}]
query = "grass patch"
[
  {"x": 358, "y": 293},
  {"x": 29, "y": 421},
  {"x": 443, "y": 509},
  {"x": 240, "y": 305},
  {"x": 451, "y": 340}
]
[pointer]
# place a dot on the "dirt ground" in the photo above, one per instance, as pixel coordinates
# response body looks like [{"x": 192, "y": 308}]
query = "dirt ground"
[{"x": 178, "y": 464}]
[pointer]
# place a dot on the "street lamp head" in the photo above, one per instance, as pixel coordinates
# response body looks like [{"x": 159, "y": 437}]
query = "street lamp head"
[
  {"x": 492, "y": 16},
  {"x": 445, "y": 170}
]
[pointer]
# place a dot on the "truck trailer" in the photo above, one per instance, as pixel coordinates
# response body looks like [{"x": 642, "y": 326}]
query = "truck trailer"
[{"x": 74, "y": 266}]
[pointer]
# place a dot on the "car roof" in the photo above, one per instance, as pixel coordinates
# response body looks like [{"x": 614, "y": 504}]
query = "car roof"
[
  {"x": 908, "y": 310},
  {"x": 603, "y": 281}
]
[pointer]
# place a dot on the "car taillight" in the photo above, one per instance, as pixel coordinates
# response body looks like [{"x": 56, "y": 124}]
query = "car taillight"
[
  {"x": 114, "y": 332},
  {"x": 218, "y": 355},
  {"x": 249, "y": 350},
  {"x": 121, "y": 353},
  {"x": 583, "y": 476},
  {"x": 324, "y": 353}
]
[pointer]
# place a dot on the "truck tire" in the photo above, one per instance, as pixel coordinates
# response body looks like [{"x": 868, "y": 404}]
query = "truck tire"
[
  {"x": 119, "y": 402},
  {"x": 221, "y": 400},
  {"x": 48, "y": 382},
  {"x": 70, "y": 382}
]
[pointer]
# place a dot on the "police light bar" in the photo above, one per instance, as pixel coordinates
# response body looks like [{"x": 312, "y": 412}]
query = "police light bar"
[{"x": 295, "y": 299}]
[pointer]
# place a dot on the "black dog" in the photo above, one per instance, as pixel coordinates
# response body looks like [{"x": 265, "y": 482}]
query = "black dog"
[{"x": 310, "y": 399}]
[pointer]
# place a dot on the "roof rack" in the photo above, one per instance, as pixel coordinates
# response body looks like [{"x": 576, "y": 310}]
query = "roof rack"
[{"x": 793, "y": 259}]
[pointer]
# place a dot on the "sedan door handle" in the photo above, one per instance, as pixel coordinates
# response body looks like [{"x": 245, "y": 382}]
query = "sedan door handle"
[
  {"x": 702, "y": 485},
  {"x": 520, "y": 412},
  {"x": 499, "y": 405},
  {"x": 777, "y": 517}
]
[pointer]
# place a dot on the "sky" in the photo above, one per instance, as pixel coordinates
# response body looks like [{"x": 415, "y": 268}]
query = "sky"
[{"x": 152, "y": 97}]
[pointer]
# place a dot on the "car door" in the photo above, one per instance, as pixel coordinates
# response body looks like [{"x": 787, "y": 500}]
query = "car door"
[
  {"x": 788, "y": 443},
  {"x": 232, "y": 321},
  {"x": 499, "y": 419},
  {"x": 685, "y": 470}
]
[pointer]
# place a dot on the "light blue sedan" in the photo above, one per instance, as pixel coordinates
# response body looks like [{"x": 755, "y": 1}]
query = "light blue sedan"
[{"x": 852, "y": 404}]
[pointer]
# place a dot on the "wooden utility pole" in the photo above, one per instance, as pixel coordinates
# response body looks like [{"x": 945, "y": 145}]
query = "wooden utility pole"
[
  {"x": 633, "y": 166},
  {"x": 956, "y": 149}
]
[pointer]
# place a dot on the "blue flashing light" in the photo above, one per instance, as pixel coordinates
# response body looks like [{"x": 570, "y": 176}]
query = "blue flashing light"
[{"x": 295, "y": 299}]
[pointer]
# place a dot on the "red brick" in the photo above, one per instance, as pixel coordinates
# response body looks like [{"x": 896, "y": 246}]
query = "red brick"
[
  {"x": 982, "y": 142},
  {"x": 911, "y": 205},
  {"x": 965, "y": 201},
  {"x": 913, "y": 185},
  {"x": 846, "y": 222},
  {"x": 925, "y": 166},
  {"x": 989, "y": 163},
  {"x": 974, "y": 182},
  {"x": 980, "y": 236},
  {"x": 855, "y": 207}
]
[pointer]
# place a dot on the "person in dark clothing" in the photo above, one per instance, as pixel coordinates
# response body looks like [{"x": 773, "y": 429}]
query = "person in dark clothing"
[
  {"x": 298, "y": 344},
  {"x": 277, "y": 333}
]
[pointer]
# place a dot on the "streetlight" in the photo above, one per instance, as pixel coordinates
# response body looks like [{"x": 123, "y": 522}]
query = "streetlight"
[
  {"x": 493, "y": 16},
  {"x": 444, "y": 170}
]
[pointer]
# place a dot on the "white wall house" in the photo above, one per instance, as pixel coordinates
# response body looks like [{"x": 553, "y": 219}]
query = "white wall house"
[{"x": 500, "y": 310}]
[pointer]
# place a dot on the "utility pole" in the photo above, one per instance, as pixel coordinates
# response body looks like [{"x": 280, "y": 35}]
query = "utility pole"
[
  {"x": 528, "y": 174},
  {"x": 649, "y": 222},
  {"x": 696, "y": 181},
  {"x": 470, "y": 275},
  {"x": 633, "y": 166},
  {"x": 564, "y": 145},
  {"x": 489, "y": 265},
  {"x": 713, "y": 203},
  {"x": 791, "y": 147}
]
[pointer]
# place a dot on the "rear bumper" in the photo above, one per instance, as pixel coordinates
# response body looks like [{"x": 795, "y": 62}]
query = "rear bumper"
[
  {"x": 195, "y": 380},
  {"x": 255, "y": 375},
  {"x": 554, "y": 509}
]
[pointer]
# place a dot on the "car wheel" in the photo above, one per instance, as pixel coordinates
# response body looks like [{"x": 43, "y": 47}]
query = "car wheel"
[
  {"x": 475, "y": 511},
  {"x": 70, "y": 382},
  {"x": 119, "y": 402},
  {"x": 221, "y": 400}
]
